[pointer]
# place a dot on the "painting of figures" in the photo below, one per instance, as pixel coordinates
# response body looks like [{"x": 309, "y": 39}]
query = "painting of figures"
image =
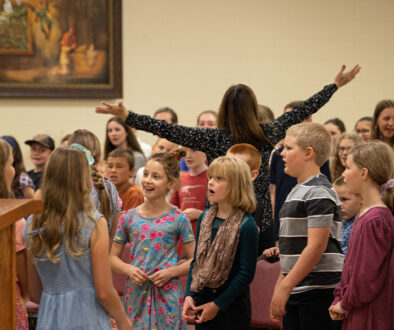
[{"x": 60, "y": 48}]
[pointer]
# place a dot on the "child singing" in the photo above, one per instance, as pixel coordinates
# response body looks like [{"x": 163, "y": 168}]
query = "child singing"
[
  {"x": 153, "y": 294},
  {"x": 224, "y": 263}
]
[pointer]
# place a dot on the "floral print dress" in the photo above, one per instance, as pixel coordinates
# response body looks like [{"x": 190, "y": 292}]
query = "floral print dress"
[{"x": 153, "y": 247}]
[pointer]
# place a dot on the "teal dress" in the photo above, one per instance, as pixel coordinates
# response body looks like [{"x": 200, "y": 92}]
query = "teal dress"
[
  {"x": 69, "y": 297},
  {"x": 153, "y": 246}
]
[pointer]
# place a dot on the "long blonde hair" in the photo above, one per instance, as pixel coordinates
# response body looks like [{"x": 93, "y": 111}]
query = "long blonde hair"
[
  {"x": 5, "y": 153},
  {"x": 66, "y": 190},
  {"x": 91, "y": 142},
  {"x": 378, "y": 158},
  {"x": 240, "y": 187}
]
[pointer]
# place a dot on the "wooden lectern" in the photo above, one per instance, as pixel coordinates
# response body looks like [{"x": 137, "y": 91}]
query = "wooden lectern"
[{"x": 11, "y": 210}]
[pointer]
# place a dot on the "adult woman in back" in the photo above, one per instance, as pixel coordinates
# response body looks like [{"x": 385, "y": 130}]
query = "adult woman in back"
[{"x": 237, "y": 123}]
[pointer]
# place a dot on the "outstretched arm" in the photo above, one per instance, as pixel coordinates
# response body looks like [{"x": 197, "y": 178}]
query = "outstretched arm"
[
  {"x": 276, "y": 130},
  {"x": 209, "y": 140}
]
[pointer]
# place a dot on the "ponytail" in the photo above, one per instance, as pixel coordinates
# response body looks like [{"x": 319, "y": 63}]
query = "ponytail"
[{"x": 98, "y": 183}]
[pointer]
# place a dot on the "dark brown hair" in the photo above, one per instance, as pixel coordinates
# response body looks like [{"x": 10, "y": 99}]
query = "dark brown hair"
[
  {"x": 238, "y": 114},
  {"x": 123, "y": 153},
  {"x": 174, "y": 116},
  {"x": 375, "y": 133},
  {"x": 132, "y": 141}
]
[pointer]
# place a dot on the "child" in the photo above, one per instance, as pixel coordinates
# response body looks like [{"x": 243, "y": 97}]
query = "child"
[
  {"x": 161, "y": 145},
  {"x": 252, "y": 157},
  {"x": 224, "y": 263},
  {"x": 338, "y": 161},
  {"x": 7, "y": 173},
  {"x": 153, "y": 293},
  {"x": 104, "y": 195},
  {"x": 364, "y": 298},
  {"x": 121, "y": 169},
  {"x": 310, "y": 227},
  {"x": 22, "y": 185},
  {"x": 69, "y": 243},
  {"x": 350, "y": 206},
  {"x": 191, "y": 195},
  {"x": 41, "y": 147}
]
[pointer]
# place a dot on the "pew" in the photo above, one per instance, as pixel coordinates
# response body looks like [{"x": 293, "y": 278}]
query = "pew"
[{"x": 11, "y": 210}]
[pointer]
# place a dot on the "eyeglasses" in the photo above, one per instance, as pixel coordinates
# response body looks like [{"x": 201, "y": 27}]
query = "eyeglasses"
[{"x": 342, "y": 149}]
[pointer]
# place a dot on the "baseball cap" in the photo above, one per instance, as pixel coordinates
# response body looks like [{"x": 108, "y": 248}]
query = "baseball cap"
[{"x": 45, "y": 140}]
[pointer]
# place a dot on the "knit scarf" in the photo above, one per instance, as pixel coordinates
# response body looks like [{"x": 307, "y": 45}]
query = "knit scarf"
[{"x": 214, "y": 259}]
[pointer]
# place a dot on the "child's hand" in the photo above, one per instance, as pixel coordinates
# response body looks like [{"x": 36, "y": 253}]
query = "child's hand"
[
  {"x": 192, "y": 214},
  {"x": 161, "y": 277},
  {"x": 209, "y": 312},
  {"x": 271, "y": 252},
  {"x": 278, "y": 303},
  {"x": 337, "y": 313},
  {"x": 137, "y": 275},
  {"x": 188, "y": 312}
]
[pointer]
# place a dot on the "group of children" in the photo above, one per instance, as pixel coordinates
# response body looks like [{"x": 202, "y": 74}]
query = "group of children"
[{"x": 69, "y": 261}]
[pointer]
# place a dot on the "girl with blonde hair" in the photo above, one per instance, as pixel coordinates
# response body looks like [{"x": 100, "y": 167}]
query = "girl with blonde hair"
[
  {"x": 68, "y": 242},
  {"x": 364, "y": 298},
  {"x": 104, "y": 195},
  {"x": 224, "y": 263}
]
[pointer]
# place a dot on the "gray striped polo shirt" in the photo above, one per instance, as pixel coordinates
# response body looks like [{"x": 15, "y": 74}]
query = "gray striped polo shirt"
[{"x": 311, "y": 204}]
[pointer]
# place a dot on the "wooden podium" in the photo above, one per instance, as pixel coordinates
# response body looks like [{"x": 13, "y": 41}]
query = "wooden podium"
[{"x": 11, "y": 210}]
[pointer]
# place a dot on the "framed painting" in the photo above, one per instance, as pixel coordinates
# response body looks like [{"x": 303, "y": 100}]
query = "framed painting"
[{"x": 60, "y": 49}]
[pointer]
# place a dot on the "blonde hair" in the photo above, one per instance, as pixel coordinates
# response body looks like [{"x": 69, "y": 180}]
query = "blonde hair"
[
  {"x": 91, "y": 142},
  {"x": 315, "y": 136},
  {"x": 5, "y": 153},
  {"x": 240, "y": 188},
  {"x": 378, "y": 158},
  {"x": 336, "y": 167},
  {"x": 170, "y": 163},
  {"x": 253, "y": 155},
  {"x": 66, "y": 190}
]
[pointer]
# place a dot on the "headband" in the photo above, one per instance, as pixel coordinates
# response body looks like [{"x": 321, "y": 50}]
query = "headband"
[{"x": 86, "y": 151}]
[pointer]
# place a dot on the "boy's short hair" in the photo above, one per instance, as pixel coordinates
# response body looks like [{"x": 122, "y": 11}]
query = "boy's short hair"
[
  {"x": 123, "y": 153},
  {"x": 313, "y": 135},
  {"x": 254, "y": 157},
  {"x": 171, "y": 112}
]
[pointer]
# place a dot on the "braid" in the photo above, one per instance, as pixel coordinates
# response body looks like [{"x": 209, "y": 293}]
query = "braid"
[{"x": 98, "y": 182}]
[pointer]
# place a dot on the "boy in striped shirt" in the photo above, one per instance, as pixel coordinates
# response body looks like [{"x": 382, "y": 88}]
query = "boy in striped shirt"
[{"x": 309, "y": 238}]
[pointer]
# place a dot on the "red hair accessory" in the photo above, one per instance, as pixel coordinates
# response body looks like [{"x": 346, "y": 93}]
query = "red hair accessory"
[{"x": 176, "y": 156}]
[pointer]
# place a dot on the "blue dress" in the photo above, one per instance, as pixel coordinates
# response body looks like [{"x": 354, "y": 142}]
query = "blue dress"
[
  {"x": 153, "y": 246},
  {"x": 69, "y": 298}
]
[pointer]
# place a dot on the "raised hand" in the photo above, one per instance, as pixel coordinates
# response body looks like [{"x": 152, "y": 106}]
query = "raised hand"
[
  {"x": 342, "y": 78},
  {"x": 117, "y": 110}
]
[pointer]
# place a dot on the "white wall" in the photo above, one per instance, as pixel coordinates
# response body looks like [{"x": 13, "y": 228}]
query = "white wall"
[{"x": 185, "y": 54}]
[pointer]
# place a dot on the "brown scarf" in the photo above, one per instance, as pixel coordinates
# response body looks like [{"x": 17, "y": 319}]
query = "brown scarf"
[{"x": 214, "y": 259}]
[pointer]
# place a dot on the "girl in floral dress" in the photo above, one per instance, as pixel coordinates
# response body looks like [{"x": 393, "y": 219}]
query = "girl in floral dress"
[{"x": 153, "y": 295}]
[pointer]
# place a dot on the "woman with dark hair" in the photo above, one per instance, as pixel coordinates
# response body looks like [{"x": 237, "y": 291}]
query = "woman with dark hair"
[
  {"x": 382, "y": 127},
  {"x": 363, "y": 128},
  {"x": 120, "y": 135},
  {"x": 238, "y": 122},
  {"x": 22, "y": 185}
]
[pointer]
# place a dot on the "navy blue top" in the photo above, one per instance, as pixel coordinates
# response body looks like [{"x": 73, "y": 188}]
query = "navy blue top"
[
  {"x": 244, "y": 265},
  {"x": 284, "y": 183}
]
